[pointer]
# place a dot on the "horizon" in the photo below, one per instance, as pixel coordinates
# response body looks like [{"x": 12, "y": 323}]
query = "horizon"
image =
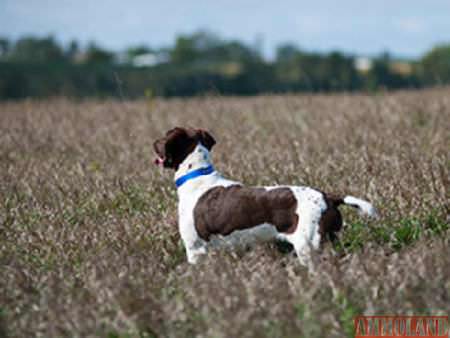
[{"x": 352, "y": 28}]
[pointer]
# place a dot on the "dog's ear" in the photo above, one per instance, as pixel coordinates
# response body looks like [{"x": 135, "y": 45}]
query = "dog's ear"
[
  {"x": 206, "y": 139},
  {"x": 160, "y": 147}
]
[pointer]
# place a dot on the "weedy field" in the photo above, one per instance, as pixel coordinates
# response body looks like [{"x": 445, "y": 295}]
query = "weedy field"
[{"x": 89, "y": 243}]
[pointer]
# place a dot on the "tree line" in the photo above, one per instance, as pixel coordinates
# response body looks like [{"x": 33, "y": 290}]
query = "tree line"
[{"x": 200, "y": 63}]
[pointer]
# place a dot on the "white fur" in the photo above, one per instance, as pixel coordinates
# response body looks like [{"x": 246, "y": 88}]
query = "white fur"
[
  {"x": 310, "y": 206},
  {"x": 364, "y": 207}
]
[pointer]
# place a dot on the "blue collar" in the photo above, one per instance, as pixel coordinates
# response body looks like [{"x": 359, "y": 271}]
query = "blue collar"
[{"x": 194, "y": 174}]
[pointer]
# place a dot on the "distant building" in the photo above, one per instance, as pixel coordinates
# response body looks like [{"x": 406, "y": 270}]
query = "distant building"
[
  {"x": 143, "y": 60},
  {"x": 79, "y": 57},
  {"x": 363, "y": 64},
  {"x": 401, "y": 67},
  {"x": 149, "y": 59}
]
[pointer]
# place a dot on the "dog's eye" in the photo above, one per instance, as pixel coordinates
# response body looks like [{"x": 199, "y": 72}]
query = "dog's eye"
[{"x": 189, "y": 166}]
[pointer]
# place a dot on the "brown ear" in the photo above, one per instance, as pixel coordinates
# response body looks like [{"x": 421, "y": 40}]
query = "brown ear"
[
  {"x": 159, "y": 147},
  {"x": 206, "y": 139}
]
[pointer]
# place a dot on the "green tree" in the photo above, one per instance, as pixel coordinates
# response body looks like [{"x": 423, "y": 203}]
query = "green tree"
[
  {"x": 206, "y": 47},
  {"x": 98, "y": 55},
  {"x": 338, "y": 72},
  {"x": 72, "y": 50},
  {"x": 137, "y": 50},
  {"x": 297, "y": 70},
  {"x": 35, "y": 50},
  {"x": 4, "y": 47},
  {"x": 184, "y": 51},
  {"x": 434, "y": 67},
  {"x": 380, "y": 75},
  {"x": 287, "y": 53}
]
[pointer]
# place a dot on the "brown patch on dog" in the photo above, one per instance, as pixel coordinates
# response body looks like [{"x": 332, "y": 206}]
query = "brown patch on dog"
[
  {"x": 179, "y": 143},
  {"x": 222, "y": 210},
  {"x": 331, "y": 219}
]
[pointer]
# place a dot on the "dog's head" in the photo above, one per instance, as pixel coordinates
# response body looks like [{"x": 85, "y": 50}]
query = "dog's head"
[{"x": 178, "y": 144}]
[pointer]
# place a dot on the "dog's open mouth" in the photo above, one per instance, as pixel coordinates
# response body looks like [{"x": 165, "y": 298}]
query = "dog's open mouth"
[{"x": 159, "y": 161}]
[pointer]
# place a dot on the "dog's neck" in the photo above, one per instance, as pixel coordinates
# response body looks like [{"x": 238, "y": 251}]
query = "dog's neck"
[
  {"x": 189, "y": 191},
  {"x": 199, "y": 158}
]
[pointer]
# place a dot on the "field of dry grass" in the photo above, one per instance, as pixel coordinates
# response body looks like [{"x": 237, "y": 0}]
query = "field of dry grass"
[{"x": 88, "y": 230}]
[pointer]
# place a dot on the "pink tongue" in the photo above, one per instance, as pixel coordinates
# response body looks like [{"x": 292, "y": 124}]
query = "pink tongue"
[{"x": 159, "y": 161}]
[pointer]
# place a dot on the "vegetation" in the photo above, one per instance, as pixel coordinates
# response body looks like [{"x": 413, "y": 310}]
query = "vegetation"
[
  {"x": 200, "y": 63},
  {"x": 88, "y": 226}
]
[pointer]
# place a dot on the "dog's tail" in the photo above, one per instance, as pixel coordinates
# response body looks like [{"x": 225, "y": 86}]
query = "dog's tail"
[{"x": 365, "y": 208}]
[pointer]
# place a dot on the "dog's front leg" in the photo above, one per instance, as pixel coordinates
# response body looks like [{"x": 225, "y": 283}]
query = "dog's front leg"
[
  {"x": 193, "y": 253},
  {"x": 193, "y": 244}
]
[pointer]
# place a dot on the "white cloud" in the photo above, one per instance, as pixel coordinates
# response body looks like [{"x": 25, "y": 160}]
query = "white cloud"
[{"x": 410, "y": 25}]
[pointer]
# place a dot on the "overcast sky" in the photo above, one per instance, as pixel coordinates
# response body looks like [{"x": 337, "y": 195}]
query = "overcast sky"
[{"x": 404, "y": 27}]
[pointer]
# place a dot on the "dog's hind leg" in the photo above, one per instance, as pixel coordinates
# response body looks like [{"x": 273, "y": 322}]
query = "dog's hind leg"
[
  {"x": 302, "y": 249},
  {"x": 307, "y": 236}
]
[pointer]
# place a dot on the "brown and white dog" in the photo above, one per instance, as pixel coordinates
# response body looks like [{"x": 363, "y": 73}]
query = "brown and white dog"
[{"x": 214, "y": 211}]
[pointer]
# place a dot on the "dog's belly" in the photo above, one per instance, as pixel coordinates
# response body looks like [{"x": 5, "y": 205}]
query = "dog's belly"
[
  {"x": 257, "y": 234},
  {"x": 225, "y": 210}
]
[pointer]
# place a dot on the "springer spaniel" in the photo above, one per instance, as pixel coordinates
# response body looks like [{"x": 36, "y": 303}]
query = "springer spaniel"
[{"x": 216, "y": 211}]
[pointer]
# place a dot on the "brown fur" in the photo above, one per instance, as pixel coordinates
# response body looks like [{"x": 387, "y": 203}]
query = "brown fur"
[
  {"x": 179, "y": 143},
  {"x": 331, "y": 220},
  {"x": 222, "y": 210}
]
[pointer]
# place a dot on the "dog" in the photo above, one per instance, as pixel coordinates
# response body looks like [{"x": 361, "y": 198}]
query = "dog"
[{"x": 215, "y": 211}]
